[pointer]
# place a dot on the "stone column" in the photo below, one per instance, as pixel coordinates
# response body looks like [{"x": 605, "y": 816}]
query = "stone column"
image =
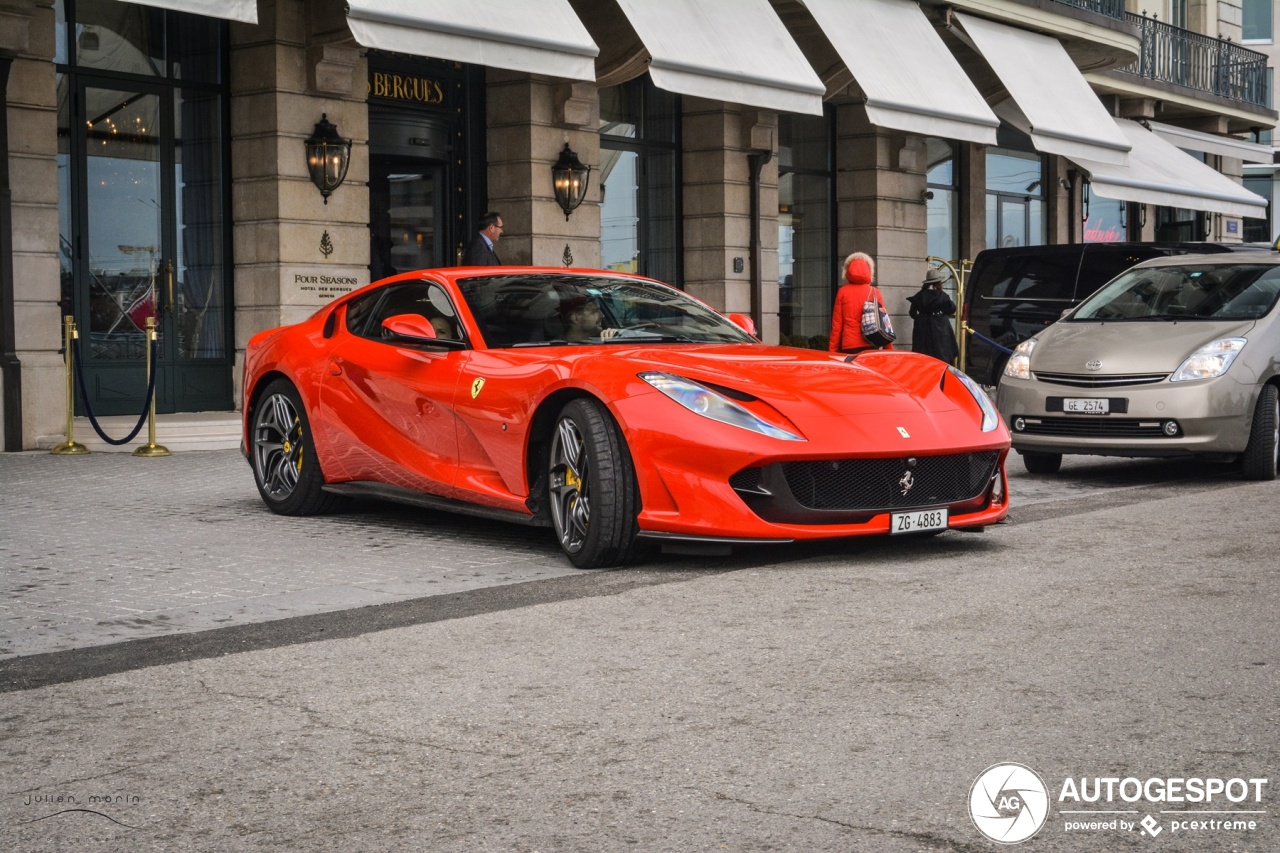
[
  {"x": 528, "y": 121},
  {"x": 717, "y": 139},
  {"x": 881, "y": 208},
  {"x": 293, "y": 252},
  {"x": 27, "y": 35}
]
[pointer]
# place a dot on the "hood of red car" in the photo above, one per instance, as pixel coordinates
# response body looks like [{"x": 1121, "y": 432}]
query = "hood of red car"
[{"x": 870, "y": 383}]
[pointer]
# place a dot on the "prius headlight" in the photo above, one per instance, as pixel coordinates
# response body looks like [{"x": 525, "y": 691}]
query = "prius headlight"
[
  {"x": 1019, "y": 364},
  {"x": 1210, "y": 360},
  {"x": 702, "y": 400},
  {"x": 990, "y": 417}
]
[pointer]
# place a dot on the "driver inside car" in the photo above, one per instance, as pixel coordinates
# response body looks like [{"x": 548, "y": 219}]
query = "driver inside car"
[{"x": 582, "y": 320}]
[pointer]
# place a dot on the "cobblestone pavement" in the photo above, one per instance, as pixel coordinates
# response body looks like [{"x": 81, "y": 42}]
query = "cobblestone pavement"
[{"x": 108, "y": 547}]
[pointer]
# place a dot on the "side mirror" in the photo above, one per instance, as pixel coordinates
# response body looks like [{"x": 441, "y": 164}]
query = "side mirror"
[
  {"x": 744, "y": 322},
  {"x": 409, "y": 327}
]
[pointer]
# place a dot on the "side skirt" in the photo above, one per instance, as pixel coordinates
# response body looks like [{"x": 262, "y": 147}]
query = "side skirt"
[{"x": 382, "y": 491}]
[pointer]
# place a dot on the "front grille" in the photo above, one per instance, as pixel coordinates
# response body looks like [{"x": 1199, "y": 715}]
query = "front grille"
[
  {"x": 1080, "y": 380},
  {"x": 882, "y": 484},
  {"x": 1086, "y": 427}
]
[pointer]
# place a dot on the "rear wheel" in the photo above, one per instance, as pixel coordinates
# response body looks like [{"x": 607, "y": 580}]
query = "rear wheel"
[
  {"x": 591, "y": 487},
  {"x": 1262, "y": 455},
  {"x": 284, "y": 458},
  {"x": 1041, "y": 463}
]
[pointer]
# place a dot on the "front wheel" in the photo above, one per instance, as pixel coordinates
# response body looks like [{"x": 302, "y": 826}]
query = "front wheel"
[
  {"x": 1262, "y": 454},
  {"x": 592, "y": 487},
  {"x": 284, "y": 457},
  {"x": 1041, "y": 463}
]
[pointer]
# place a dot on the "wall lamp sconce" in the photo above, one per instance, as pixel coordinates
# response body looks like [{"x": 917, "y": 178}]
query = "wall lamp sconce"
[
  {"x": 328, "y": 156},
  {"x": 569, "y": 178}
]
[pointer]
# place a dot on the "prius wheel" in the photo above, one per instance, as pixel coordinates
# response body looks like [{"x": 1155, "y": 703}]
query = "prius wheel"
[
  {"x": 1262, "y": 455},
  {"x": 592, "y": 487},
  {"x": 1041, "y": 463},
  {"x": 284, "y": 458}
]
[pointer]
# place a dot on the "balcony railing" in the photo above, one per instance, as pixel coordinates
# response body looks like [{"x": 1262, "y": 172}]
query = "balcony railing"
[
  {"x": 1215, "y": 66},
  {"x": 1110, "y": 8}
]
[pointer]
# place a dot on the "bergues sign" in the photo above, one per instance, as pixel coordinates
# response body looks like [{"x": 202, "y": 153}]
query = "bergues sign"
[{"x": 403, "y": 87}]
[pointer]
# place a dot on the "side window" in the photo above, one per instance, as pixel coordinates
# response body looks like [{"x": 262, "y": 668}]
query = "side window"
[
  {"x": 421, "y": 298},
  {"x": 358, "y": 311}
]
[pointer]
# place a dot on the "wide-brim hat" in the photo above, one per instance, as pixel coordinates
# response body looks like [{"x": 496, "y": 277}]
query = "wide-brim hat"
[{"x": 936, "y": 276}]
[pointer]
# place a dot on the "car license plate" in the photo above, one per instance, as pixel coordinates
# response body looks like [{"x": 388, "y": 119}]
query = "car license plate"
[
  {"x": 1087, "y": 405},
  {"x": 917, "y": 522}
]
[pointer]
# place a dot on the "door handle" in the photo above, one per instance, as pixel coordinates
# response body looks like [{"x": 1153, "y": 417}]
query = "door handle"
[
  {"x": 335, "y": 367},
  {"x": 168, "y": 271}
]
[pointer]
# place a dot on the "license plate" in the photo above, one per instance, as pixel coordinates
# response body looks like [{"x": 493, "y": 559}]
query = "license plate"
[
  {"x": 917, "y": 522},
  {"x": 1087, "y": 405}
]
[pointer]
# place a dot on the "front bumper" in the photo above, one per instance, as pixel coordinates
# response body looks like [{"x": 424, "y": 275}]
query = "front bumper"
[
  {"x": 1163, "y": 419},
  {"x": 722, "y": 482}
]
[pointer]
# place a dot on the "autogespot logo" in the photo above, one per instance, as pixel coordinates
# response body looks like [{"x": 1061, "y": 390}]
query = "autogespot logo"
[{"x": 1008, "y": 803}]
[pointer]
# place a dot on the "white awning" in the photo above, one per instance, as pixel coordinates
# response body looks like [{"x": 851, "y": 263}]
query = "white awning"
[
  {"x": 910, "y": 79},
  {"x": 1209, "y": 143},
  {"x": 231, "y": 10},
  {"x": 736, "y": 51},
  {"x": 1158, "y": 173},
  {"x": 535, "y": 36},
  {"x": 1050, "y": 100}
]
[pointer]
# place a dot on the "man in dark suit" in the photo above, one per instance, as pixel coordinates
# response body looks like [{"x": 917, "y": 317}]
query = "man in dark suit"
[{"x": 480, "y": 251}]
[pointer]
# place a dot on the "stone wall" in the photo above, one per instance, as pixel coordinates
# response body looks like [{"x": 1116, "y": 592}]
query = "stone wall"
[
  {"x": 27, "y": 34},
  {"x": 297, "y": 64}
]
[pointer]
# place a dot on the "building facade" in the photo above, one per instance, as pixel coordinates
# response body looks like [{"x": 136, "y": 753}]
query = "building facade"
[{"x": 739, "y": 149}]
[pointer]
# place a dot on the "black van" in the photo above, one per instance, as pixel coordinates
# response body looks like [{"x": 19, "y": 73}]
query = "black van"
[{"x": 1013, "y": 293}]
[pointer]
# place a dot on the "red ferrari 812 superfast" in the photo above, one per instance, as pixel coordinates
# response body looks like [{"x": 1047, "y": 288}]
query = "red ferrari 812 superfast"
[{"x": 614, "y": 409}]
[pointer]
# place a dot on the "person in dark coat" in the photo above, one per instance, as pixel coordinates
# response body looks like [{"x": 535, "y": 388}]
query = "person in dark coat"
[
  {"x": 931, "y": 309},
  {"x": 482, "y": 250}
]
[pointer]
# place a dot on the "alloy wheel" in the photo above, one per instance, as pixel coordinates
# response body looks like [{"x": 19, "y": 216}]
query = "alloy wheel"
[
  {"x": 569, "y": 490},
  {"x": 277, "y": 446}
]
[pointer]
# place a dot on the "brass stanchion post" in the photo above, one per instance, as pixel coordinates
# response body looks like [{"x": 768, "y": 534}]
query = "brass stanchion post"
[
  {"x": 151, "y": 448},
  {"x": 70, "y": 447}
]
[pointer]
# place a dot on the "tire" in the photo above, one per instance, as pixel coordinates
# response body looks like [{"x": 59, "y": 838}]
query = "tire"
[
  {"x": 284, "y": 460},
  {"x": 1041, "y": 463},
  {"x": 1262, "y": 455},
  {"x": 591, "y": 487}
]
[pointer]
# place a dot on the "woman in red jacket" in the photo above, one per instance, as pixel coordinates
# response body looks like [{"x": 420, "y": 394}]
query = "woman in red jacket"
[{"x": 846, "y": 315}]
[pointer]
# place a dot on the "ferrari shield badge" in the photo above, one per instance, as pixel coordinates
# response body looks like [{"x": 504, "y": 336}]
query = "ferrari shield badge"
[
  {"x": 902, "y": 431},
  {"x": 476, "y": 385}
]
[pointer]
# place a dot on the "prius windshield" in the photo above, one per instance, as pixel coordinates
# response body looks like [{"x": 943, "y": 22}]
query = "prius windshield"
[
  {"x": 1244, "y": 291},
  {"x": 549, "y": 309}
]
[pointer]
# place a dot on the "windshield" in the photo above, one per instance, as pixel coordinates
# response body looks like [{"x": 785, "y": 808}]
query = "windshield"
[
  {"x": 1191, "y": 292},
  {"x": 548, "y": 309}
]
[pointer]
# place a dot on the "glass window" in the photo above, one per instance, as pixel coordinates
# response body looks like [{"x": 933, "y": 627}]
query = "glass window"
[
  {"x": 1105, "y": 220},
  {"x": 425, "y": 300},
  {"x": 120, "y": 37},
  {"x": 1259, "y": 230},
  {"x": 1255, "y": 21},
  {"x": 805, "y": 212},
  {"x": 941, "y": 199},
  {"x": 1015, "y": 198},
  {"x": 639, "y": 180},
  {"x": 1265, "y": 136}
]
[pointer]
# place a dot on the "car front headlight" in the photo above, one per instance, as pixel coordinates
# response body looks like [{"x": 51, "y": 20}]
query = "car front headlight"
[
  {"x": 702, "y": 400},
  {"x": 1210, "y": 360},
  {"x": 990, "y": 417},
  {"x": 1019, "y": 364}
]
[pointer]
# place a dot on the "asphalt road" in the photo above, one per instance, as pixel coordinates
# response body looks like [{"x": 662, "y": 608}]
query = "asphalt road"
[{"x": 835, "y": 697}]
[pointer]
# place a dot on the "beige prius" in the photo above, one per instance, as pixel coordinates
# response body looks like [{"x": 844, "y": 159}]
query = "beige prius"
[{"x": 1177, "y": 356}]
